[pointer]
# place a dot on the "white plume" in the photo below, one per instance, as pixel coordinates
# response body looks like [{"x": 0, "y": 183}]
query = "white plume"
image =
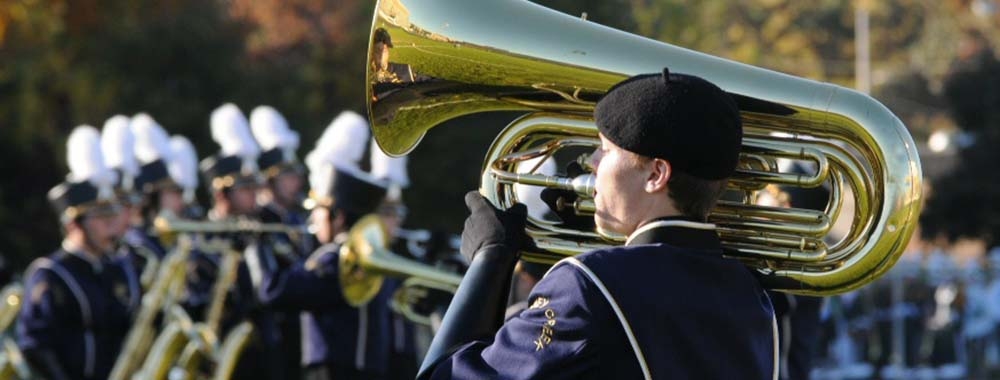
[
  {"x": 231, "y": 131},
  {"x": 118, "y": 145},
  {"x": 319, "y": 179},
  {"x": 271, "y": 129},
  {"x": 86, "y": 162},
  {"x": 391, "y": 169},
  {"x": 183, "y": 165},
  {"x": 531, "y": 196},
  {"x": 342, "y": 145},
  {"x": 151, "y": 141}
]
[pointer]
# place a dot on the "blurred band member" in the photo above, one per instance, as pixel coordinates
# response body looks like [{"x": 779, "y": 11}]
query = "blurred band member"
[
  {"x": 340, "y": 341},
  {"x": 233, "y": 179},
  {"x": 79, "y": 302},
  {"x": 280, "y": 201}
]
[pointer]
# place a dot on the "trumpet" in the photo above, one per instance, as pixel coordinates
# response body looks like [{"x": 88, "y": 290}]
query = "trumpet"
[{"x": 364, "y": 260}]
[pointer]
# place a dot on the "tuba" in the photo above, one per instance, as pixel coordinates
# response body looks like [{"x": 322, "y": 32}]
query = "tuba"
[{"x": 434, "y": 60}]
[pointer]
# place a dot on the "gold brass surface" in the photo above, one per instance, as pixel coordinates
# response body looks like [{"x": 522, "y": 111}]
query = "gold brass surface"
[
  {"x": 365, "y": 258},
  {"x": 451, "y": 58}
]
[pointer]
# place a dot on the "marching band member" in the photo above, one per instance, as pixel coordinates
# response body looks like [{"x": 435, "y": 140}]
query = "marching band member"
[
  {"x": 157, "y": 190},
  {"x": 340, "y": 341},
  {"x": 282, "y": 195},
  {"x": 667, "y": 304},
  {"x": 78, "y": 300},
  {"x": 280, "y": 201},
  {"x": 118, "y": 149},
  {"x": 233, "y": 179}
]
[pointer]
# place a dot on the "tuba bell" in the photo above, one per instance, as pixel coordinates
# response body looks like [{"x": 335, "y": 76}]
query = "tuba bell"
[{"x": 434, "y": 60}]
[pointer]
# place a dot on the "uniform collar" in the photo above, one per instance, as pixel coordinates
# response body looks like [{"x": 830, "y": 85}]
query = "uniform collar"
[
  {"x": 676, "y": 231},
  {"x": 277, "y": 209},
  {"x": 95, "y": 263}
]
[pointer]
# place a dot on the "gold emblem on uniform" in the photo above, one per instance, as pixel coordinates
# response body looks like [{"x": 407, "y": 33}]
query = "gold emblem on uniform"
[
  {"x": 545, "y": 338},
  {"x": 121, "y": 292},
  {"x": 539, "y": 303}
]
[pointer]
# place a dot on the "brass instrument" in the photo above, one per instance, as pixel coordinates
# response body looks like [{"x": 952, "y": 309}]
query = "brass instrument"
[
  {"x": 364, "y": 259},
  {"x": 470, "y": 57},
  {"x": 204, "y": 344},
  {"x": 411, "y": 292},
  {"x": 167, "y": 224},
  {"x": 182, "y": 343},
  {"x": 12, "y": 363},
  {"x": 143, "y": 331},
  {"x": 10, "y": 304}
]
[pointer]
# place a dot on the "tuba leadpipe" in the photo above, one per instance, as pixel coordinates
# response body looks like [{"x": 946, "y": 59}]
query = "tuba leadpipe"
[{"x": 464, "y": 58}]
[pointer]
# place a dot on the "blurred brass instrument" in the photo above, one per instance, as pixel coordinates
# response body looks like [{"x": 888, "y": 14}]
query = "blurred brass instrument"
[
  {"x": 203, "y": 344},
  {"x": 452, "y": 58},
  {"x": 143, "y": 331},
  {"x": 167, "y": 224},
  {"x": 12, "y": 363},
  {"x": 365, "y": 258},
  {"x": 10, "y": 305},
  {"x": 412, "y": 292},
  {"x": 183, "y": 345}
]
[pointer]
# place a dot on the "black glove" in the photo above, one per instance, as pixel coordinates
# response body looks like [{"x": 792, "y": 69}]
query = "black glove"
[
  {"x": 488, "y": 226},
  {"x": 561, "y": 202}
]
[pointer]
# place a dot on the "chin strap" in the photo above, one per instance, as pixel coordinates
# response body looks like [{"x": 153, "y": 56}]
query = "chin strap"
[{"x": 477, "y": 310}]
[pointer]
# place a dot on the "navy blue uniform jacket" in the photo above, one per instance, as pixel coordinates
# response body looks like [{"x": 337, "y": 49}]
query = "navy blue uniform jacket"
[
  {"x": 333, "y": 332},
  {"x": 667, "y": 305},
  {"x": 79, "y": 311}
]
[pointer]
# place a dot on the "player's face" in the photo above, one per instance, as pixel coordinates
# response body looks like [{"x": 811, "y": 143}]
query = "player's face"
[
  {"x": 172, "y": 200},
  {"x": 286, "y": 188},
  {"x": 243, "y": 200},
  {"x": 381, "y": 56},
  {"x": 102, "y": 231},
  {"x": 619, "y": 184},
  {"x": 321, "y": 224}
]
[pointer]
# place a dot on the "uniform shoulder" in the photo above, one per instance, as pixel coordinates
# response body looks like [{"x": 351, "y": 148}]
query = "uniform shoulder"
[
  {"x": 327, "y": 248},
  {"x": 605, "y": 255},
  {"x": 59, "y": 257}
]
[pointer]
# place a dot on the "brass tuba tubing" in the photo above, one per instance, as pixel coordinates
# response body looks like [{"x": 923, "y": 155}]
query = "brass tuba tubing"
[
  {"x": 557, "y": 66},
  {"x": 413, "y": 290}
]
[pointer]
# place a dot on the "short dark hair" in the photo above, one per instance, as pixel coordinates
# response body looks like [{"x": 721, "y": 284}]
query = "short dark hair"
[{"x": 695, "y": 197}]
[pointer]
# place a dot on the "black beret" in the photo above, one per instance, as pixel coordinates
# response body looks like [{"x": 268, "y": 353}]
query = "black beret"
[
  {"x": 681, "y": 118},
  {"x": 382, "y": 35}
]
